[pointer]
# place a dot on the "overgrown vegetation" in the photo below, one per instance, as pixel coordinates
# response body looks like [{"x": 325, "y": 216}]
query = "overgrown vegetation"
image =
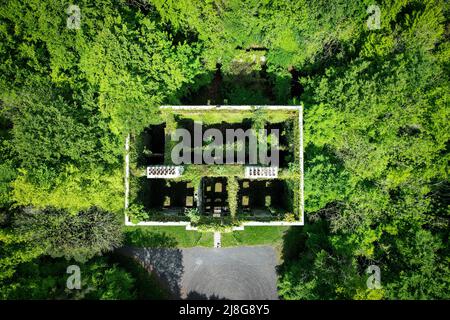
[
  {"x": 144, "y": 145},
  {"x": 232, "y": 188}
]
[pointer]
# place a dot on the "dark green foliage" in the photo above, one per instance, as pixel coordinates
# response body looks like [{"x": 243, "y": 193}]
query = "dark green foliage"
[
  {"x": 46, "y": 278},
  {"x": 147, "y": 285},
  {"x": 320, "y": 270},
  {"x": 77, "y": 236},
  {"x": 376, "y": 132}
]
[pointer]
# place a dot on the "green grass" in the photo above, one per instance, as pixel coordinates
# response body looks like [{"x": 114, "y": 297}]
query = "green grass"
[
  {"x": 252, "y": 236},
  {"x": 166, "y": 237},
  {"x": 214, "y": 117},
  {"x": 179, "y": 237}
]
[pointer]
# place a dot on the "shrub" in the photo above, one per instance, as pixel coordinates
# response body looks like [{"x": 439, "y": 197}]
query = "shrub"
[
  {"x": 232, "y": 188},
  {"x": 290, "y": 217},
  {"x": 193, "y": 214},
  {"x": 77, "y": 236},
  {"x": 137, "y": 213},
  {"x": 208, "y": 224}
]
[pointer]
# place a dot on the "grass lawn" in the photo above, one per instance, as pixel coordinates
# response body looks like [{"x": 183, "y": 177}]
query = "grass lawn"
[
  {"x": 166, "y": 237},
  {"x": 252, "y": 236},
  {"x": 179, "y": 237}
]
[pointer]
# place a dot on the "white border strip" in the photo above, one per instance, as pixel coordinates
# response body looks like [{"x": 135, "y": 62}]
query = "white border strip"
[
  {"x": 231, "y": 107},
  {"x": 249, "y": 223}
]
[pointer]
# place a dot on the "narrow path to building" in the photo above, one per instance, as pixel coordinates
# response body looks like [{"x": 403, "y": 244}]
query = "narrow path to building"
[{"x": 217, "y": 240}]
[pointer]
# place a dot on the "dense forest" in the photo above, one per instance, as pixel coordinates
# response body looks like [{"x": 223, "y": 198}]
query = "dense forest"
[{"x": 376, "y": 126}]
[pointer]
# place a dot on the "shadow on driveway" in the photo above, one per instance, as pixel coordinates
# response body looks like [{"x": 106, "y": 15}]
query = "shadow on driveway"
[{"x": 207, "y": 273}]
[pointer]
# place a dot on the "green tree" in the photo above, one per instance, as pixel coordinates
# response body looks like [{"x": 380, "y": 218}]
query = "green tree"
[
  {"x": 77, "y": 236},
  {"x": 45, "y": 278}
]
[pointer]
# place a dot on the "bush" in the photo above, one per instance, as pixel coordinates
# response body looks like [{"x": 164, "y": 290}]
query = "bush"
[
  {"x": 77, "y": 236},
  {"x": 137, "y": 213},
  {"x": 193, "y": 215},
  {"x": 208, "y": 224},
  {"x": 233, "y": 189},
  {"x": 290, "y": 217},
  {"x": 43, "y": 278}
]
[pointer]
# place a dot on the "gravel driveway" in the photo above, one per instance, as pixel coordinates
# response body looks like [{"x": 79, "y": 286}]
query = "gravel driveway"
[{"x": 210, "y": 273}]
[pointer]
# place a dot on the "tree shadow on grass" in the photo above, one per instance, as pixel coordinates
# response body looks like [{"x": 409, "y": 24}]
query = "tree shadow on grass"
[
  {"x": 300, "y": 244},
  {"x": 294, "y": 240},
  {"x": 156, "y": 253},
  {"x": 143, "y": 238}
]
